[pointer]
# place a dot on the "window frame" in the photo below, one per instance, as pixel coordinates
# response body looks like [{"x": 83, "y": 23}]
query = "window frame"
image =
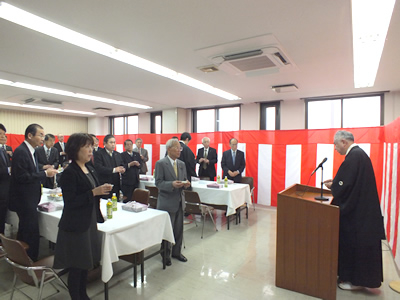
[
  {"x": 125, "y": 122},
  {"x": 216, "y": 111},
  {"x": 263, "y": 115},
  {"x": 343, "y": 97},
  {"x": 153, "y": 116}
]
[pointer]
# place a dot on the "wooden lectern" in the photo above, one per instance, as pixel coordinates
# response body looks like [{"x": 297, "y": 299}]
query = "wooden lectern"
[{"x": 307, "y": 242}]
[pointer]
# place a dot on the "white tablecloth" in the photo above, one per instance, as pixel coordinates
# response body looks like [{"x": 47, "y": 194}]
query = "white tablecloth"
[
  {"x": 126, "y": 233},
  {"x": 235, "y": 195}
]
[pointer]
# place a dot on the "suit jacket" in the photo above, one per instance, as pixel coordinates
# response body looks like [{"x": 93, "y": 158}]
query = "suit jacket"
[
  {"x": 104, "y": 165},
  {"x": 4, "y": 177},
  {"x": 62, "y": 158},
  {"x": 143, "y": 169},
  {"x": 168, "y": 196},
  {"x": 9, "y": 148},
  {"x": 227, "y": 164},
  {"x": 212, "y": 157},
  {"x": 25, "y": 187},
  {"x": 42, "y": 161},
  {"x": 78, "y": 199},
  {"x": 189, "y": 159},
  {"x": 131, "y": 175}
]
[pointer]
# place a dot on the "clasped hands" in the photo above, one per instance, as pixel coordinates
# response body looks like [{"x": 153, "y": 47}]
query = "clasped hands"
[
  {"x": 233, "y": 173},
  {"x": 178, "y": 184},
  {"x": 134, "y": 163}
]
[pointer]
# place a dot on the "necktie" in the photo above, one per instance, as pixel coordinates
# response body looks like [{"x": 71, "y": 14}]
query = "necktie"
[
  {"x": 48, "y": 154},
  {"x": 175, "y": 169},
  {"x": 233, "y": 157},
  {"x": 205, "y": 156}
]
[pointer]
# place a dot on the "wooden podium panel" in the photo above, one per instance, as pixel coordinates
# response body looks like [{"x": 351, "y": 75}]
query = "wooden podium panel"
[{"x": 307, "y": 242}]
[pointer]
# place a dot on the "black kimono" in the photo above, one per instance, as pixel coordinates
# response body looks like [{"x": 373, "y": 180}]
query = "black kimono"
[{"x": 361, "y": 224}]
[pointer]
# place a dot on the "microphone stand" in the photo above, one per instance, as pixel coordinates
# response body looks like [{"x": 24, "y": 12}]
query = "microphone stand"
[{"x": 322, "y": 198}]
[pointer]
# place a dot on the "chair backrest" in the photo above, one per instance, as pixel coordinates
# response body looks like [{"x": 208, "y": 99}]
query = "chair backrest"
[
  {"x": 192, "y": 202},
  {"x": 16, "y": 253},
  {"x": 249, "y": 181},
  {"x": 141, "y": 196},
  {"x": 153, "y": 191}
]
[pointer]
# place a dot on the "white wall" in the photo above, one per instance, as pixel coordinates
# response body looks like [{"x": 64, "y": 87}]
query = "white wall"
[
  {"x": 144, "y": 122},
  {"x": 16, "y": 122},
  {"x": 250, "y": 116},
  {"x": 391, "y": 107},
  {"x": 98, "y": 125},
  {"x": 170, "y": 121},
  {"x": 292, "y": 114}
]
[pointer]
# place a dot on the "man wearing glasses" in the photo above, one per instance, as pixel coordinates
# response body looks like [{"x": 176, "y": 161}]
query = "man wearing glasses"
[{"x": 25, "y": 189}]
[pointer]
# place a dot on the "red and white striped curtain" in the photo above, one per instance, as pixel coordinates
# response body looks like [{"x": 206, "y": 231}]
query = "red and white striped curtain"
[{"x": 278, "y": 159}]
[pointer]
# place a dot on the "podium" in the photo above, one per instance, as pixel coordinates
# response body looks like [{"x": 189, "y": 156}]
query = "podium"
[{"x": 307, "y": 242}]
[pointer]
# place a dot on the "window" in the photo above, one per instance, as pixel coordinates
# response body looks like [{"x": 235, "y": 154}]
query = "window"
[
  {"x": 216, "y": 119},
  {"x": 124, "y": 125},
  {"x": 156, "y": 122},
  {"x": 270, "y": 116},
  {"x": 345, "y": 111}
]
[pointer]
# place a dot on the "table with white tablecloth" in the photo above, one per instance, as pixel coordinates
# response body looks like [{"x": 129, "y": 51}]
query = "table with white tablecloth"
[
  {"x": 233, "y": 196},
  {"x": 126, "y": 233}
]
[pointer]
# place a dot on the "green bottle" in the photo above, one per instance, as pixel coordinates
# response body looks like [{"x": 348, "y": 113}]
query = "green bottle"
[
  {"x": 114, "y": 201},
  {"x": 226, "y": 182},
  {"x": 109, "y": 209}
]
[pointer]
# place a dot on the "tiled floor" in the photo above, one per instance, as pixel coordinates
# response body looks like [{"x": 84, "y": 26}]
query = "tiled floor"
[{"x": 234, "y": 264}]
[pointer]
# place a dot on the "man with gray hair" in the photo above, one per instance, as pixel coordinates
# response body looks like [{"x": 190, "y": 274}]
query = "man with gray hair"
[
  {"x": 144, "y": 156},
  {"x": 170, "y": 180},
  {"x": 207, "y": 158},
  {"x": 361, "y": 224}
]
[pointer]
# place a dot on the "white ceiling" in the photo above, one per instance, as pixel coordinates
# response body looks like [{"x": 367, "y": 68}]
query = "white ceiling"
[{"x": 315, "y": 34}]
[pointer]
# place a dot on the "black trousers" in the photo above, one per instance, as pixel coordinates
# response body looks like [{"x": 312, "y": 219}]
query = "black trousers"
[{"x": 28, "y": 230}]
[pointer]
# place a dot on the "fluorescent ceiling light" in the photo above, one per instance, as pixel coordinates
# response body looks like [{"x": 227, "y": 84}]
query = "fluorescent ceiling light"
[
  {"x": 47, "y": 108},
  {"x": 371, "y": 19},
  {"x": 26, "y": 19},
  {"x": 70, "y": 94}
]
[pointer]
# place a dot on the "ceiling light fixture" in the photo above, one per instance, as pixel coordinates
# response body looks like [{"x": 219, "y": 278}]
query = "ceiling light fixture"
[
  {"x": 47, "y": 108},
  {"x": 31, "y": 21},
  {"x": 70, "y": 94},
  {"x": 371, "y": 19}
]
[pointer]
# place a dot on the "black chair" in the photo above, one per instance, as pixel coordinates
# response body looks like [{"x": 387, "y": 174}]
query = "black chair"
[
  {"x": 195, "y": 207},
  {"x": 36, "y": 274}
]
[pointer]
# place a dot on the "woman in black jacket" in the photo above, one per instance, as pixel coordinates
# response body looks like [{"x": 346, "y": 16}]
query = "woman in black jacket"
[{"x": 78, "y": 245}]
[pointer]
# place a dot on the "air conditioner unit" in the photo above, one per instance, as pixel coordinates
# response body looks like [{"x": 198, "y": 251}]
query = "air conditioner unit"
[
  {"x": 42, "y": 102},
  {"x": 253, "y": 60}
]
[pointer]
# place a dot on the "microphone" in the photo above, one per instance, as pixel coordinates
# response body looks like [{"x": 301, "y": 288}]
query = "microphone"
[{"x": 319, "y": 166}]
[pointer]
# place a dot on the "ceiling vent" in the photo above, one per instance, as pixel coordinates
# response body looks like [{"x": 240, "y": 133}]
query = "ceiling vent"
[
  {"x": 42, "y": 102},
  {"x": 285, "y": 88},
  {"x": 102, "y": 109},
  {"x": 208, "y": 69},
  {"x": 254, "y": 60}
]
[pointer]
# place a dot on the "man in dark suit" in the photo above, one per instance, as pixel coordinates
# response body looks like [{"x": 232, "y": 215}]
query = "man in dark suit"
[
  {"x": 7, "y": 148},
  {"x": 207, "y": 158},
  {"x": 171, "y": 180},
  {"x": 109, "y": 165},
  {"x": 4, "y": 179},
  {"x": 187, "y": 156},
  {"x": 144, "y": 156},
  {"x": 360, "y": 223},
  {"x": 25, "y": 191},
  {"x": 233, "y": 162},
  {"x": 130, "y": 179},
  {"x": 60, "y": 146},
  {"x": 47, "y": 157}
]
